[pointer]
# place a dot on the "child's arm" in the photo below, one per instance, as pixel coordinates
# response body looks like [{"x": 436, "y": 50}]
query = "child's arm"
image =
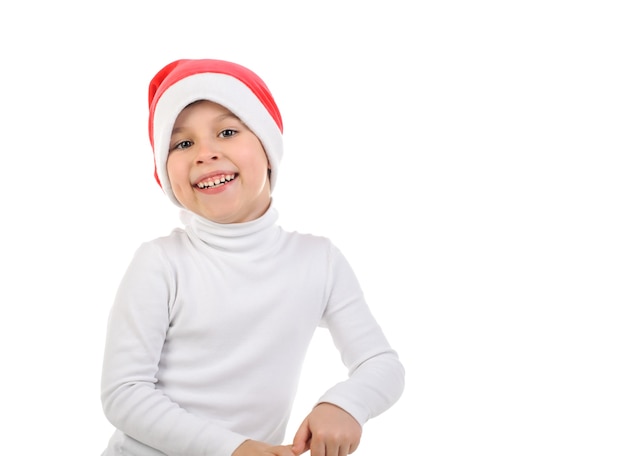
[
  {"x": 375, "y": 374},
  {"x": 138, "y": 324}
]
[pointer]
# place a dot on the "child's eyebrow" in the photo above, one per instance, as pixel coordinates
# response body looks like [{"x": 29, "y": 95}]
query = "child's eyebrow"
[
  {"x": 228, "y": 115},
  {"x": 221, "y": 117}
]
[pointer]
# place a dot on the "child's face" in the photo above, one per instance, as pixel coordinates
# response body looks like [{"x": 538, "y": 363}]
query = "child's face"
[{"x": 208, "y": 145}]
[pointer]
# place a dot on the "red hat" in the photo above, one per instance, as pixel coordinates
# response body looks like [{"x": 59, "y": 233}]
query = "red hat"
[{"x": 233, "y": 86}]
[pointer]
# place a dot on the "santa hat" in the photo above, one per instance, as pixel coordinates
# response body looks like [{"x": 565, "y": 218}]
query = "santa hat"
[{"x": 233, "y": 86}]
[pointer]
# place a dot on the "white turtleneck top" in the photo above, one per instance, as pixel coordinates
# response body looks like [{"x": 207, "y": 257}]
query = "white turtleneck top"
[{"x": 209, "y": 330}]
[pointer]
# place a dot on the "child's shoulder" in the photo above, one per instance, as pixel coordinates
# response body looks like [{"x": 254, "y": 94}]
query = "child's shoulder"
[
  {"x": 172, "y": 240},
  {"x": 175, "y": 235},
  {"x": 312, "y": 240}
]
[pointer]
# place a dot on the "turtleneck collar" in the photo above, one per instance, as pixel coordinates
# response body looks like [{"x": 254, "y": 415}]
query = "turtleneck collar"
[{"x": 256, "y": 235}]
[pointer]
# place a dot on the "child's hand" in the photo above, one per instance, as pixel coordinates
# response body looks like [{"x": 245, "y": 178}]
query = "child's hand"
[
  {"x": 327, "y": 431},
  {"x": 256, "y": 448}
]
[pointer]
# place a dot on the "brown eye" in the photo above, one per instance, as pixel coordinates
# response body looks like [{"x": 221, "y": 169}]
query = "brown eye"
[
  {"x": 183, "y": 145},
  {"x": 227, "y": 133}
]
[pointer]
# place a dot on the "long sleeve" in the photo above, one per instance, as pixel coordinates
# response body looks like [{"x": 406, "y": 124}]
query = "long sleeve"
[
  {"x": 138, "y": 325},
  {"x": 376, "y": 375}
]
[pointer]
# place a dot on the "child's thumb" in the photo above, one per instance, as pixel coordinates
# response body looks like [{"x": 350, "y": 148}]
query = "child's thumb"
[{"x": 302, "y": 439}]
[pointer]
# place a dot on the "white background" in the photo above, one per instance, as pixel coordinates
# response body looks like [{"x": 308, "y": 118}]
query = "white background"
[{"x": 467, "y": 157}]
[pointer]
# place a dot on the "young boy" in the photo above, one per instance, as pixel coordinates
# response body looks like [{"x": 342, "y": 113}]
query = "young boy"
[{"x": 211, "y": 324}]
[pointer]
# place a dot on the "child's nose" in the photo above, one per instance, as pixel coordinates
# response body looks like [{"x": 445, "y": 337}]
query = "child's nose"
[{"x": 207, "y": 152}]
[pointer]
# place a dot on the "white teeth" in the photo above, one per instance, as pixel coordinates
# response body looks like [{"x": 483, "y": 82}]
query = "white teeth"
[{"x": 214, "y": 182}]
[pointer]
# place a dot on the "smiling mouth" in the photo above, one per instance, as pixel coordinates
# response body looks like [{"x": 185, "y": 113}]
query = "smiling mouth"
[{"x": 216, "y": 181}]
